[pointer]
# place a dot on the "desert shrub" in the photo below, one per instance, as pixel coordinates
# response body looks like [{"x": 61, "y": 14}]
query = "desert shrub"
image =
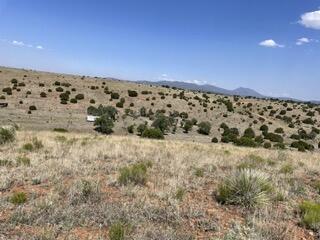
[
  {"x": 73, "y": 100},
  {"x": 154, "y": 133},
  {"x": 117, "y": 231},
  {"x": 280, "y": 145},
  {"x": 274, "y": 137},
  {"x": 302, "y": 146},
  {"x": 162, "y": 122},
  {"x": 18, "y": 198},
  {"x": 204, "y": 128},
  {"x": 184, "y": 115},
  {"x": 23, "y": 160},
  {"x": 57, "y": 83},
  {"x": 7, "y": 90},
  {"x": 249, "y": 133},
  {"x": 43, "y": 95},
  {"x": 286, "y": 168},
  {"x": 79, "y": 96},
  {"x": 61, "y": 130},
  {"x": 180, "y": 194},
  {"x": 14, "y": 81},
  {"x": 310, "y": 212},
  {"x": 32, "y": 108},
  {"x": 59, "y": 89},
  {"x": 259, "y": 140},
  {"x": 83, "y": 191},
  {"x": 130, "y": 128},
  {"x": 119, "y": 104},
  {"x": 64, "y": 96},
  {"x": 248, "y": 188},
  {"x": 245, "y": 142},
  {"x": 7, "y": 135},
  {"x": 283, "y": 112},
  {"x": 199, "y": 172},
  {"x": 92, "y": 101},
  {"x": 101, "y": 110},
  {"x": 104, "y": 124},
  {"x": 2, "y": 97},
  {"x": 279, "y": 130},
  {"x": 141, "y": 128},
  {"x": 132, "y": 93},
  {"x": 27, "y": 147},
  {"x": 187, "y": 126},
  {"x": 308, "y": 121},
  {"x": 115, "y": 95},
  {"x": 135, "y": 174},
  {"x": 230, "y": 135},
  {"x": 214, "y": 140}
]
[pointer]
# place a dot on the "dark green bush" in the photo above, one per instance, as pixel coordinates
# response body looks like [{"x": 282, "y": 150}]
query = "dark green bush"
[
  {"x": 119, "y": 104},
  {"x": 79, "y": 96},
  {"x": 92, "y": 101},
  {"x": 267, "y": 145},
  {"x": 214, "y": 140},
  {"x": 6, "y": 135},
  {"x": 135, "y": 174},
  {"x": 249, "y": 133},
  {"x": 32, "y": 108},
  {"x": 302, "y": 146},
  {"x": 104, "y": 124},
  {"x": 132, "y": 93},
  {"x": 59, "y": 89},
  {"x": 43, "y": 95},
  {"x": 115, "y": 95},
  {"x": 162, "y": 122},
  {"x": 141, "y": 128},
  {"x": 73, "y": 100},
  {"x": 187, "y": 126},
  {"x": 245, "y": 142},
  {"x": 131, "y": 128},
  {"x": 204, "y": 128},
  {"x": 18, "y": 198},
  {"x": 154, "y": 133},
  {"x": 279, "y": 130},
  {"x": 274, "y": 137}
]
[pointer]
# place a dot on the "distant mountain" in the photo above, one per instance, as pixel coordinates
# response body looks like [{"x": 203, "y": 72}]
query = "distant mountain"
[{"x": 207, "y": 88}]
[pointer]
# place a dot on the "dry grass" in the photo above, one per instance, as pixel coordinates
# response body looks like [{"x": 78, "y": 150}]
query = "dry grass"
[{"x": 73, "y": 192}]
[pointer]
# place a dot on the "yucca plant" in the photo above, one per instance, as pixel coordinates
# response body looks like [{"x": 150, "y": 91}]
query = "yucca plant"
[{"x": 245, "y": 187}]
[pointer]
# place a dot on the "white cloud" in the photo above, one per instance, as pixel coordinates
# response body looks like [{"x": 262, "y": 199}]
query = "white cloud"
[
  {"x": 270, "y": 43},
  {"x": 17, "y": 43},
  {"x": 311, "y": 20},
  {"x": 22, "y": 44},
  {"x": 303, "y": 40},
  {"x": 165, "y": 77}
]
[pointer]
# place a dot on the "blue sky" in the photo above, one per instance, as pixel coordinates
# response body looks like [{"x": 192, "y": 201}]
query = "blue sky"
[{"x": 271, "y": 46}]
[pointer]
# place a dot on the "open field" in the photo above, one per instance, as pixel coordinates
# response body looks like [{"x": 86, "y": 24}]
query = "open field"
[{"x": 72, "y": 189}]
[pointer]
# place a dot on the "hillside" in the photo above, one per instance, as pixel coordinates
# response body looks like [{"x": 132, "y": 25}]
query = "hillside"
[{"x": 277, "y": 122}]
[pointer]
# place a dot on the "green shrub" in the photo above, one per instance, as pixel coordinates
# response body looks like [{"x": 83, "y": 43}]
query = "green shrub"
[
  {"x": 115, "y": 95},
  {"x": 119, "y": 104},
  {"x": 249, "y": 133},
  {"x": 214, "y": 140},
  {"x": 27, "y": 147},
  {"x": 162, "y": 122},
  {"x": 104, "y": 124},
  {"x": 141, "y": 128},
  {"x": 199, "y": 172},
  {"x": 274, "y": 137},
  {"x": 248, "y": 188},
  {"x": 117, "y": 231},
  {"x": 154, "y": 133},
  {"x": 180, "y": 193},
  {"x": 204, "y": 128},
  {"x": 264, "y": 128},
  {"x": 43, "y": 95},
  {"x": 7, "y": 135},
  {"x": 135, "y": 174},
  {"x": 92, "y": 101},
  {"x": 286, "y": 169},
  {"x": 308, "y": 121},
  {"x": 279, "y": 130},
  {"x": 302, "y": 146},
  {"x": 79, "y": 96},
  {"x": 32, "y": 108},
  {"x": 310, "y": 214},
  {"x": 131, "y": 128},
  {"x": 245, "y": 142},
  {"x": 73, "y": 100},
  {"x": 132, "y": 93},
  {"x": 187, "y": 126},
  {"x": 23, "y": 160},
  {"x": 18, "y": 198},
  {"x": 59, "y": 89},
  {"x": 62, "y": 130}
]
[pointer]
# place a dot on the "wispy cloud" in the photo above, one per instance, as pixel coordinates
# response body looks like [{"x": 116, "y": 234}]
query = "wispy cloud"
[
  {"x": 22, "y": 44},
  {"x": 270, "y": 43},
  {"x": 311, "y": 20},
  {"x": 166, "y": 77}
]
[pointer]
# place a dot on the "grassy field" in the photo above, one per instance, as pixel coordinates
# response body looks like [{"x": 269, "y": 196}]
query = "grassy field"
[
  {"x": 227, "y": 167},
  {"x": 90, "y": 186}
]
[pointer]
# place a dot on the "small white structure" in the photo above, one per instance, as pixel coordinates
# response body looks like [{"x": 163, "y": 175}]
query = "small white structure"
[{"x": 91, "y": 118}]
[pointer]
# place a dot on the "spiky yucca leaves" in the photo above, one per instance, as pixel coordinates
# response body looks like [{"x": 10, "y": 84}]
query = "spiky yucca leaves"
[{"x": 245, "y": 187}]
